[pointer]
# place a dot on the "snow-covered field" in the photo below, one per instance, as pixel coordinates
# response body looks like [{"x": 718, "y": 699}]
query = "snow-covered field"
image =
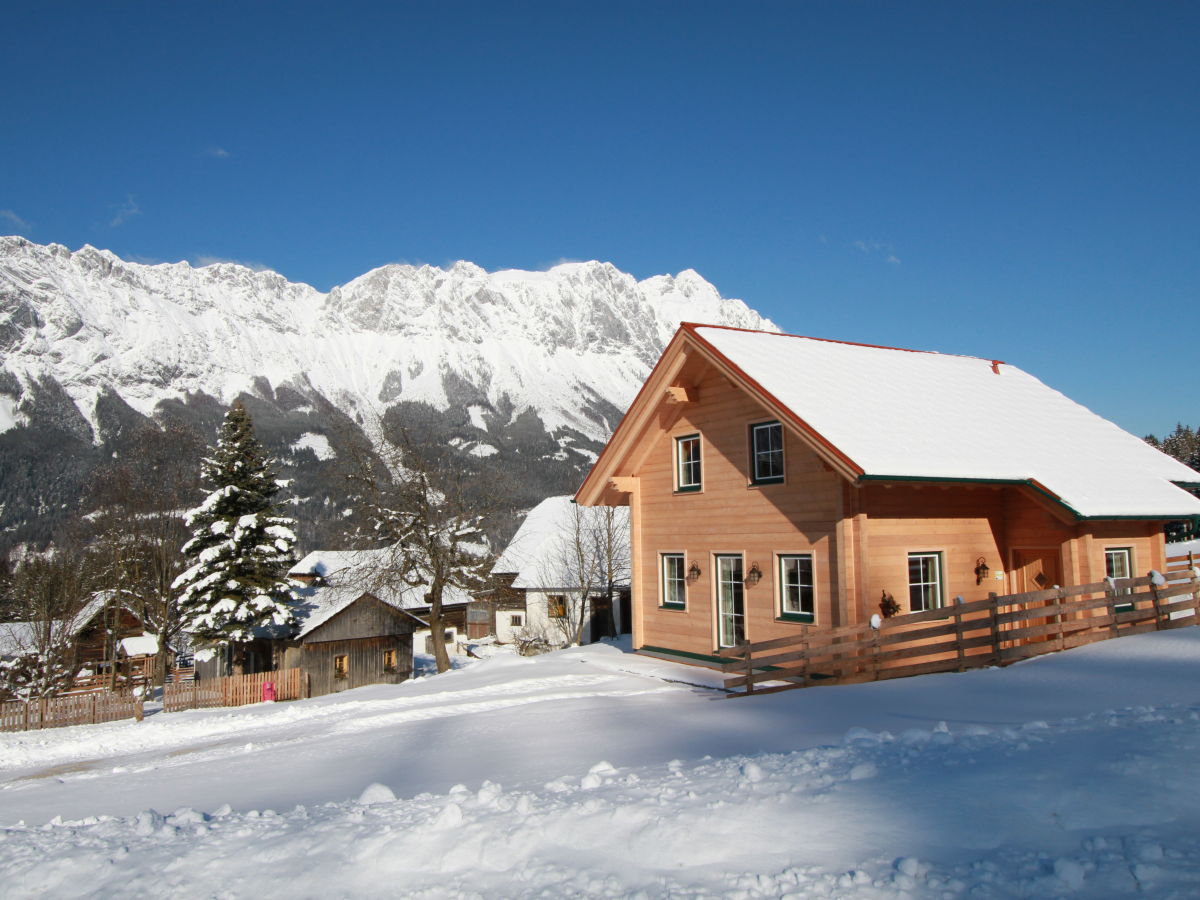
[{"x": 592, "y": 772}]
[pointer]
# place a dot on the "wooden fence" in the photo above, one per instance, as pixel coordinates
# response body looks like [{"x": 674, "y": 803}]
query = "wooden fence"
[
  {"x": 71, "y": 709},
  {"x": 996, "y": 631},
  {"x": 231, "y": 690}
]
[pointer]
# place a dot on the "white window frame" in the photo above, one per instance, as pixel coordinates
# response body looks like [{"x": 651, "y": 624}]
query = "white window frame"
[
  {"x": 800, "y": 614},
  {"x": 729, "y": 624},
  {"x": 1127, "y": 552},
  {"x": 755, "y": 454},
  {"x": 666, "y": 579},
  {"x": 689, "y": 474},
  {"x": 939, "y": 594}
]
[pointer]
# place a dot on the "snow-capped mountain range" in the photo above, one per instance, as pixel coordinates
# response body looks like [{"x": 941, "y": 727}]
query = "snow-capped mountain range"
[{"x": 85, "y": 333}]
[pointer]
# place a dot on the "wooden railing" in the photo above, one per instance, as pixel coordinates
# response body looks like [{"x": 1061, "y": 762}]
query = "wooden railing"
[
  {"x": 231, "y": 690},
  {"x": 70, "y": 709},
  {"x": 996, "y": 631}
]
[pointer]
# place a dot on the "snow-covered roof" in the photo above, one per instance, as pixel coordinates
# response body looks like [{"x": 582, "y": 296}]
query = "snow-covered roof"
[
  {"x": 20, "y": 638},
  {"x": 347, "y": 575},
  {"x": 914, "y": 414},
  {"x": 144, "y": 644},
  {"x": 534, "y": 551}
]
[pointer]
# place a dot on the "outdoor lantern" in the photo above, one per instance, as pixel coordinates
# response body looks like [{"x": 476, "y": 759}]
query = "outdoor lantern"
[
  {"x": 754, "y": 575},
  {"x": 693, "y": 571},
  {"x": 981, "y": 570}
]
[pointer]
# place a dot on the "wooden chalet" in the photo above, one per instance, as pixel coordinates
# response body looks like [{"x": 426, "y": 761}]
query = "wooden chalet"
[
  {"x": 96, "y": 634},
  {"x": 347, "y": 638},
  {"x": 779, "y": 483}
]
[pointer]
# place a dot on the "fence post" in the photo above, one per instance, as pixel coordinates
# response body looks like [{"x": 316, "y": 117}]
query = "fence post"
[
  {"x": 994, "y": 612},
  {"x": 41, "y": 713},
  {"x": 1058, "y": 618},
  {"x": 308, "y": 676},
  {"x": 958, "y": 634},
  {"x": 876, "y": 625},
  {"x": 1155, "y": 599},
  {"x": 27, "y": 702},
  {"x": 95, "y": 698},
  {"x": 1195, "y": 593},
  {"x": 744, "y": 646},
  {"x": 1111, "y": 595}
]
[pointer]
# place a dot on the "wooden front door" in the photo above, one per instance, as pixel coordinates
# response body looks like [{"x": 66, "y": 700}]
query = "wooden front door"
[{"x": 1036, "y": 570}]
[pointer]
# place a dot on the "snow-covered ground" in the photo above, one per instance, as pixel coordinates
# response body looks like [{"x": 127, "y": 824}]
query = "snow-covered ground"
[{"x": 592, "y": 772}]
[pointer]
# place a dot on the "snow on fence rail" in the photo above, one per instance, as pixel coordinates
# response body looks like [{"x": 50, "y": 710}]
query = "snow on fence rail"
[
  {"x": 231, "y": 690},
  {"x": 71, "y": 709},
  {"x": 996, "y": 631}
]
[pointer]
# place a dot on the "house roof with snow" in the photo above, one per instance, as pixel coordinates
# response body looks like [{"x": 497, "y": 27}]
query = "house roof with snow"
[
  {"x": 345, "y": 576},
  {"x": 535, "y": 552},
  {"x": 21, "y": 638},
  {"x": 881, "y": 413}
]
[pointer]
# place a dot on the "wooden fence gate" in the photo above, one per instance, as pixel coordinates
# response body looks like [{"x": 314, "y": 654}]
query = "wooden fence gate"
[{"x": 87, "y": 708}]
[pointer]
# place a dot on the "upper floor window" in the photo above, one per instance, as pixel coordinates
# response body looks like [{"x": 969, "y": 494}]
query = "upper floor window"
[
  {"x": 674, "y": 584},
  {"x": 766, "y": 452},
  {"x": 556, "y": 606},
  {"x": 797, "y": 596},
  {"x": 924, "y": 581},
  {"x": 687, "y": 463}
]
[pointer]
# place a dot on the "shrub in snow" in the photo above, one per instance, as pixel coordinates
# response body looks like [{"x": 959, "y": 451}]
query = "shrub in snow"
[{"x": 241, "y": 548}]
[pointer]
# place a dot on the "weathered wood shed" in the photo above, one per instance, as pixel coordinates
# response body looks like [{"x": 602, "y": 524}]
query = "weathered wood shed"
[{"x": 348, "y": 640}]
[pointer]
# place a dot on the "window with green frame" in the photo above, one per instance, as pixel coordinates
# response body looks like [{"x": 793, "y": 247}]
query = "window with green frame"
[
  {"x": 687, "y": 463},
  {"x": 797, "y": 594},
  {"x": 674, "y": 581},
  {"x": 924, "y": 581},
  {"x": 1118, "y": 563},
  {"x": 766, "y": 453}
]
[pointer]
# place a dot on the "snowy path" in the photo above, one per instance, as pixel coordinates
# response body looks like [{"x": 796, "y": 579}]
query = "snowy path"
[{"x": 594, "y": 773}]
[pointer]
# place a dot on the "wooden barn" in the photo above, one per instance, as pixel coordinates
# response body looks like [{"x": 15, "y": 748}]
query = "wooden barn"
[
  {"x": 779, "y": 483},
  {"x": 347, "y": 639}
]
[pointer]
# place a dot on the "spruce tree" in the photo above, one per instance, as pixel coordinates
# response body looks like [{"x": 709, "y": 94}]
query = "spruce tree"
[{"x": 241, "y": 548}]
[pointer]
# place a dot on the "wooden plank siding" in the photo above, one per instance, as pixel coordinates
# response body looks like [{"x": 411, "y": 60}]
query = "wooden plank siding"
[
  {"x": 860, "y": 534},
  {"x": 728, "y": 515},
  {"x": 364, "y": 658}
]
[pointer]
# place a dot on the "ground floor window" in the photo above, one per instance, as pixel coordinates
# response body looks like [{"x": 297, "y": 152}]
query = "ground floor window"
[
  {"x": 797, "y": 595},
  {"x": 556, "y": 606},
  {"x": 924, "y": 581},
  {"x": 389, "y": 660},
  {"x": 516, "y": 621},
  {"x": 674, "y": 585},
  {"x": 1118, "y": 563},
  {"x": 341, "y": 666}
]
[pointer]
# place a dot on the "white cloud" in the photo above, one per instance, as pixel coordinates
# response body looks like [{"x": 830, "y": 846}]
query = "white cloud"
[
  {"x": 16, "y": 221},
  {"x": 872, "y": 248},
  {"x": 125, "y": 212},
  {"x": 205, "y": 259},
  {"x": 218, "y": 152}
]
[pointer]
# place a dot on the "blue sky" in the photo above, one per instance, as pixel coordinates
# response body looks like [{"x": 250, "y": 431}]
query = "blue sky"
[{"x": 1008, "y": 180}]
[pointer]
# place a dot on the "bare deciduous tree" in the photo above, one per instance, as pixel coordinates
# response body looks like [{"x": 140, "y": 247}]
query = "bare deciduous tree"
[
  {"x": 414, "y": 501},
  {"x": 588, "y": 559}
]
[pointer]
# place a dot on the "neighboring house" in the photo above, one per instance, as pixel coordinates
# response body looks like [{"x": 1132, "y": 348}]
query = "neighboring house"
[
  {"x": 357, "y": 570},
  {"x": 93, "y": 635},
  {"x": 540, "y": 592},
  {"x": 777, "y": 481},
  {"x": 346, "y": 638}
]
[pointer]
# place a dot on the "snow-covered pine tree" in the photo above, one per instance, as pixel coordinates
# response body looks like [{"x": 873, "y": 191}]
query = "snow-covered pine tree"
[{"x": 241, "y": 548}]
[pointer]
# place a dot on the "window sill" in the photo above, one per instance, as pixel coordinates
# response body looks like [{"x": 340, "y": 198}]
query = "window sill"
[
  {"x": 763, "y": 482},
  {"x": 801, "y": 618},
  {"x": 695, "y": 489},
  {"x": 673, "y": 606}
]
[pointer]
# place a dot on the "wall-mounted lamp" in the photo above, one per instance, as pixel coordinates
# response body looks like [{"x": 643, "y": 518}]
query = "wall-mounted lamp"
[
  {"x": 754, "y": 576},
  {"x": 693, "y": 571},
  {"x": 981, "y": 571}
]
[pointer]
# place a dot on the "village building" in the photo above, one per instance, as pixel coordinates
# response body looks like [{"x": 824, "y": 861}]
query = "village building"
[
  {"x": 777, "y": 483},
  {"x": 552, "y": 580},
  {"x": 360, "y": 570},
  {"x": 104, "y": 636}
]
